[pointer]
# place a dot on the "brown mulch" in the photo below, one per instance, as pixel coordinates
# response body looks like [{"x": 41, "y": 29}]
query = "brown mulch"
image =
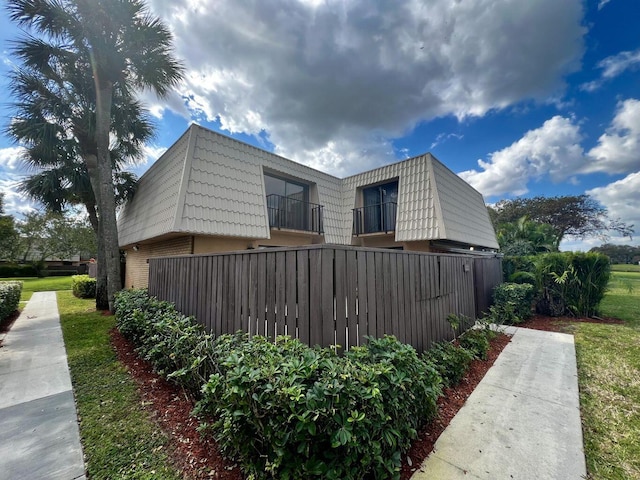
[
  {"x": 197, "y": 457},
  {"x": 563, "y": 324}
]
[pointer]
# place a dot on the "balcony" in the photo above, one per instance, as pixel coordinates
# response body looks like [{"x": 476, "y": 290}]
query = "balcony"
[
  {"x": 377, "y": 218},
  {"x": 292, "y": 214}
]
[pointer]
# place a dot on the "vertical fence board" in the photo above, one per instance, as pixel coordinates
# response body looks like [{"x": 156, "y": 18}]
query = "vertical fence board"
[
  {"x": 291, "y": 299},
  {"x": 328, "y": 298},
  {"x": 315, "y": 303},
  {"x": 352, "y": 296},
  {"x": 281, "y": 274},
  {"x": 340, "y": 298},
  {"x": 303, "y": 292},
  {"x": 271, "y": 295},
  {"x": 372, "y": 302},
  {"x": 363, "y": 315}
]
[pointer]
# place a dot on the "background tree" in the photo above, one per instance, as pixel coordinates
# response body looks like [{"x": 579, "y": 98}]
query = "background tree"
[
  {"x": 524, "y": 237},
  {"x": 8, "y": 234},
  {"x": 619, "y": 253},
  {"x": 124, "y": 48},
  {"x": 44, "y": 235},
  {"x": 574, "y": 216}
]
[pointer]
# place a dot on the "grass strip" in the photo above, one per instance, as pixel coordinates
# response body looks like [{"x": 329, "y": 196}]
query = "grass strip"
[
  {"x": 609, "y": 378},
  {"x": 119, "y": 438},
  {"x": 35, "y": 284}
]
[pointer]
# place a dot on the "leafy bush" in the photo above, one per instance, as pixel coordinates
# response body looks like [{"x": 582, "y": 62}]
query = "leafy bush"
[
  {"x": 83, "y": 286},
  {"x": 284, "y": 410},
  {"x": 176, "y": 345},
  {"x": 15, "y": 270},
  {"x": 450, "y": 361},
  {"x": 571, "y": 283},
  {"x": 514, "y": 264},
  {"x": 512, "y": 302},
  {"x": 523, "y": 277},
  {"x": 477, "y": 341},
  {"x": 9, "y": 298}
]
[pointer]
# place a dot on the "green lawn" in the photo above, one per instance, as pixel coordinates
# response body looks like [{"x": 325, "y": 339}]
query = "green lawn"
[
  {"x": 625, "y": 267},
  {"x": 46, "y": 284},
  {"x": 609, "y": 378},
  {"x": 119, "y": 439}
]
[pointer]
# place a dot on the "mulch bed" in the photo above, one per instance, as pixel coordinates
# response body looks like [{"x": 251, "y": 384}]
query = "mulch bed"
[
  {"x": 199, "y": 458},
  {"x": 563, "y": 324},
  {"x": 196, "y": 456}
]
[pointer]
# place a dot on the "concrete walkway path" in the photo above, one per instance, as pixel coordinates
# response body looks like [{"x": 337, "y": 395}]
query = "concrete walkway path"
[
  {"x": 39, "y": 437},
  {"x": 521, "y": 422}
]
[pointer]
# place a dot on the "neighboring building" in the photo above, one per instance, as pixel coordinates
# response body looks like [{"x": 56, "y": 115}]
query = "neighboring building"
[{"x": 210, "y": 193}]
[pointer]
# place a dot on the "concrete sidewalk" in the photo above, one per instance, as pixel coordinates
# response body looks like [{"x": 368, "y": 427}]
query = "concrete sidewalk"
[
  {"x": 521, "y": 422},
  {"x": 39, "y": 437}
]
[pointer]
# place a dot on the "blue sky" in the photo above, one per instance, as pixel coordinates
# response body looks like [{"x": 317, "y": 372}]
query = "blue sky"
[{"x": 520, "y": 98}]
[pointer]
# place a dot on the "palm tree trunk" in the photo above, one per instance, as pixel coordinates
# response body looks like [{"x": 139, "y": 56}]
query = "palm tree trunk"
[
  {"x": 102, "y": 299},
  {"x": 106, "y": 197}
]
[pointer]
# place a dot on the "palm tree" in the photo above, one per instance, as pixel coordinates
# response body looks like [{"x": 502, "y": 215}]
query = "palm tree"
[
  {"x": 124, "y": 48},
  {"x": 51, "y": 121}
]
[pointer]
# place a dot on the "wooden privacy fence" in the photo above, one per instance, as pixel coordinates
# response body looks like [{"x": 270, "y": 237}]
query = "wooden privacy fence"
[{"x": 328, "y": 295}]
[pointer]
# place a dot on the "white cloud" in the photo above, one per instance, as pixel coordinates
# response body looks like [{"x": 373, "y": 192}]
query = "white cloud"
[
  {"x": 618, "y": 150},
  {"x": 552, "y": 149},
  {"x": 320, "y": 76},
  {"x": 621, "y": 199},
  {"x": 14, "y": 203},
  {"x": 613, "y": 66},
  {"x": 10, "y": 157},
  {"x": 602, "y": 3},
  {"x": 443, "y": 137}
]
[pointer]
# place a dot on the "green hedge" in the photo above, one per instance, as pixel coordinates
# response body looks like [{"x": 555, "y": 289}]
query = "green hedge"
[
  {"x": 512, "y": 302},
  {"x": 59, "y": 273},
  {"x": 14, "y": 270},
  {"x": 565, "y": 283},
  {"x": 9, "y": 298},
  {"x": 571, "y": 283},
  {"x": 450, "y": 361},
  {"x": 83, "y": 286},
  {"x": 282, "y": 409}
]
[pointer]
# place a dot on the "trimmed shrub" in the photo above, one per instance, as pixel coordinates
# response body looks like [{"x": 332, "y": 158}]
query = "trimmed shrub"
[
  {"x": 9, "y": 298},
  {"x": 477, "y": 341},
  {"x": 450, "y": 361},
  {"x": 512, "y": 302},
  {"x": 284, "y": 410},
  {"x": 15, "y": 270},
  {"x": 83, "y": 286},
  {"x": 176, "y": 345}
]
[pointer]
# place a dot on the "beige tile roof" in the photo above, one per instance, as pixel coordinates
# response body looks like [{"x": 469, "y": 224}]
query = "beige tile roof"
[{"x": 210, "y": 184}]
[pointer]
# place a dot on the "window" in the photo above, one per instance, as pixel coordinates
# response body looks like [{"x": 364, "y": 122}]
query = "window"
[
  {"x": 288, "y": 205},
  {"x": 378, "y": 213}
]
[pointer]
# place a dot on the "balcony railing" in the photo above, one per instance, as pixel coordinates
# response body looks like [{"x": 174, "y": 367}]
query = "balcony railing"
[
  {"x": 293, "y": 214},
  {"x": 376, "y": 218}
]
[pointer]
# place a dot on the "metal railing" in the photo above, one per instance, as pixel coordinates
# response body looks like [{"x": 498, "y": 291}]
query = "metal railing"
[
  {"x": 293, "y": 214},
  {"x": 377, "y": 218}
]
